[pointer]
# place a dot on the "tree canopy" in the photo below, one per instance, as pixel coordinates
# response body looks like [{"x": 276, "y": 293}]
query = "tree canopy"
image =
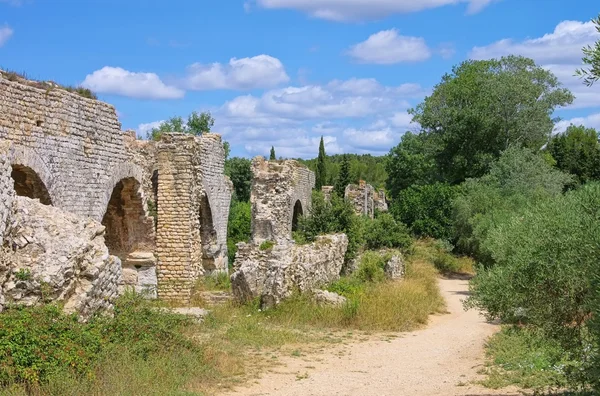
[
  {"x": 577, "y": 151},
  {"x": 591, "y": 58},
  {"x": 321, "y": 171},
  {"x": 196, "y": 124}
]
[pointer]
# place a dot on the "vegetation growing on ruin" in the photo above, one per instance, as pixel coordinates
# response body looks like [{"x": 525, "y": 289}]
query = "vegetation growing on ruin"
[{"x": 46, "y": 85}]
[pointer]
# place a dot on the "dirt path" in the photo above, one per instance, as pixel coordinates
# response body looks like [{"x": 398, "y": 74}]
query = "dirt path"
[{"x": 441, "y": 359}]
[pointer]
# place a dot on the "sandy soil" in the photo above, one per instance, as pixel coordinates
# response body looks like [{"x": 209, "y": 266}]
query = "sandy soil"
[{"x": 441, "y": 359}]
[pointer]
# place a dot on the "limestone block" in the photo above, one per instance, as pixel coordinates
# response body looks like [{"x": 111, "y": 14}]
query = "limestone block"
[
  {"x": 395, "y": 267},
  {"x": 325, "y": 297}
]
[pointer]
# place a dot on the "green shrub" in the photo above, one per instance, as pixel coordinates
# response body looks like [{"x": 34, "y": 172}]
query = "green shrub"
[
  {"x": 371, "y": 267},
  {"x": 36, "y": 343},
  {"x": 385, "y": 232},
  {"x": 426, "y": 210},
  {"x": 23, "y": 274},
  {"x": 238, "y": 227},
  {"x": 266, "y": 245}
]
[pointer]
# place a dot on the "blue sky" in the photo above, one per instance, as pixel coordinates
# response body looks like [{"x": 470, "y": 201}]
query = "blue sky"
[{"x": 285, "y": 72}]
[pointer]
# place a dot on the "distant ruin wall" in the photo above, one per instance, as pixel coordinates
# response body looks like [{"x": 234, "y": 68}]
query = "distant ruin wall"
[
  {"x": 281, "y": 192},
  {"x": 365, "y": 199}
]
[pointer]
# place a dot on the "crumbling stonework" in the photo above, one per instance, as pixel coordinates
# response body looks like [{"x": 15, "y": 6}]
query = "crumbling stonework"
[
  {"x": 327, "y": 192},
  {"x": 281, "y": 193},
  {"x": 193, "y": 207},
  {"x": 275, "y": 273},
  {"x": 7, "y": 192},
  {"x": 52, "y": 255},
  {"x": 366, "y": 199}
]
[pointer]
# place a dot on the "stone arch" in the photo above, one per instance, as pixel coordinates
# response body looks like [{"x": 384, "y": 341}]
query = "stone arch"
[
  {"x": 31, "y": 176},
  {"x": 208, "y": 235},
  {"x": 296, "y": 214},
  {"x": 128, "y": 227}
]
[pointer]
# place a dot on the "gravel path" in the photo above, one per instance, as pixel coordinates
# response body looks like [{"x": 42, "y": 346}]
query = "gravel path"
[{"x": 441, "y": 359}]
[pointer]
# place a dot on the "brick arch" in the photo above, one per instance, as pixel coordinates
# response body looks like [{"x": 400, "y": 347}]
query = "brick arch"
[
  {"x": 27, "y": 162},
  {"x": 120, "y": 172}
]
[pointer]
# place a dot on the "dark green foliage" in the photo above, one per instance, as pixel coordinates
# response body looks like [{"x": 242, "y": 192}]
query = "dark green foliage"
[
  {"x": 343, "y": 178},
  {"x": 331, "y": 217},
  {"x": 196, "y": 124},
  {"x": 593, "y": 372},
  {"x": 321, "y": 171},
  {"x": 386, "y": 232},
  {"x": 239, "y": 170},
  {"x": 238, "y": 226},
  {"x": 410, "y": 163},
  {"x": 518, "y": 179},
  {"x": 484, "y": 107},
  {"x": 426, "y": 209},
  {"x": 362, "y": 167},
  {"x": 272, "y": 156},
  {"x": 227, "y": 149},
  {"x": 544, "y": 262},
  {"x": 577, "y": 152},
  {"x": 371, "y": 267},
  {"x": 591, "y": 58}
]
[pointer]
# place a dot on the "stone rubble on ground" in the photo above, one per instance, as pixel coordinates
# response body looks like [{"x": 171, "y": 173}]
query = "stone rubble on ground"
[{"x": 325, "y": 297}]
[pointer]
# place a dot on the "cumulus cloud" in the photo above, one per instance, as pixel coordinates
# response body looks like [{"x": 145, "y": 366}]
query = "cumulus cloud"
[
  {"x": 5, "y": 33},
  {"x": 262, "y": 71},
  {"x": 559, "y": 51},
  {"x": 360, "y": 10},
  {"x": 590, "y": 121},
  {"x": 143, "y": 129},
  {"x": 118, "y": 81},
  {"x": 388, "y": 47}
]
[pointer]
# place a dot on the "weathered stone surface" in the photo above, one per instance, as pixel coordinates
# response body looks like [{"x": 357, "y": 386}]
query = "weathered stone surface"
[
  {"x": 275, "y": 273},
  {"x": 395, "y": 267},
  {"x": 7, "y": 192},
  {"x": 57, "y": 256},
  {"x": 325, "y": 297},
  {"x": 197, "y": 313},
  {"x": 366, "y": 199},
  {"x": 139, "y": 272},
  {"x": 281, "y": 193}
]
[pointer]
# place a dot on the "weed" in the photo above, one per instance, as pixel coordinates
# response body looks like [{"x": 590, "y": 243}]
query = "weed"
[
  {"x": 23, "y": 274},
  {"x": 267, "y": 245}
]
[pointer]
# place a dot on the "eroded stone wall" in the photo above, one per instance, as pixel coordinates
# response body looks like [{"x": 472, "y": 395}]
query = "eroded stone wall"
[
  {"x": 7, "y": 193},
  {"x": 281, "y": 192},
  {"x": 361, "y": 197}
]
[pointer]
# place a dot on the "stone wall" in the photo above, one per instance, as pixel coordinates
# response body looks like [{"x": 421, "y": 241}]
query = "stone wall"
[
  {"x": 193, "y": 208},
  {"x": 361, "y": 197},
  {"x": 7, "y": 193},
  {"x": 380, "y": 200},
  {"x": 281, "y": 192},
  {"x": 275, "y": 273}
]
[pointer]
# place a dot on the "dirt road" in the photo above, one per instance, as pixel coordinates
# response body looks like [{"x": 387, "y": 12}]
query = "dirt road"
[{"x": 441, "y": 359}]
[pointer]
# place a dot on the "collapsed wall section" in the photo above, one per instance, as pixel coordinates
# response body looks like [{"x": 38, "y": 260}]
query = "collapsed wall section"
[
  {"x": 365, "y": 199},
  {"x": 281, "y": 193}
]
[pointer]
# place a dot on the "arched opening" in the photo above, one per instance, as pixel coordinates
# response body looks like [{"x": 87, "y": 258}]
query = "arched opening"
[
  {"x": 208, "y": 236},
  {"x": 297, "y": 213},
  {"x": 125, "y": 220},
  {"x": 29, "y": 184}
]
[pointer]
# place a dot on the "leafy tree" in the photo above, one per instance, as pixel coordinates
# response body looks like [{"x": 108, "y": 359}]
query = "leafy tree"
[
  {"x": 238, "y": 226},
  {"x": 343, "y": 178},
  {"x": 321, "y": 173},
  {"x": 196, "y": 124},
  {"x": 591, "y": 58},
  {"x": 239, "y": 171},
  {"x": 411, "y": 162},
  {"x": 426, "y": 209},
  {"x": 577, "y": 151},
  {"x": 386, "y": 232},
  {"x": 484, "y": 107},
  {"x": 227, "y": 148},
  {"x": 362, "y": 167},
  {"x": 272, "y": 156},
  {"x": 518, "y": 179}
]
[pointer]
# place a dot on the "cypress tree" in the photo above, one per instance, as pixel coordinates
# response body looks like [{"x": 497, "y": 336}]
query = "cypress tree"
[
  {"x": 343, "y": 178},
  {"x": 321, "y": 173},
  {"x": 272, "y": 157}
]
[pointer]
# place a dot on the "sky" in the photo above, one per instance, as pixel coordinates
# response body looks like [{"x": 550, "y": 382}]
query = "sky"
[{"x": 283, "y": 73}]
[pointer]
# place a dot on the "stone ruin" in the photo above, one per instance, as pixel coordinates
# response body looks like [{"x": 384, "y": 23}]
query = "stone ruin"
[
  {"x": 85, "y": 207},
  {"x": 272, "y": 266},
  {"x": 366, "y": 199}
]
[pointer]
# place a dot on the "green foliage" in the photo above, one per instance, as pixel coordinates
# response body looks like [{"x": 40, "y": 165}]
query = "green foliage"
[
  {"x": 321, "y": 170},
  {"x": 84, "y": 92},
  {"x": 267, "y": 245},
  {"x": 577, "y": 152},
  {"x": 227, "y": 149},
  {"x": 238, "y": 226},
  {"x": 591, "y": 58},
  {"x": 385, "y": 232},
  {"x": 272, "y": 156},
  {"x": 484, "y": 107},
  {"x": 196, "y": 124},
  {"x": 361, "y": 167},
  {"x": 411, "y": 162},
  {"x": 426, "y": 209},
  {"x": 239, "y": 170},
  {"x": 544, "y": 260},
  {"x": 23, "y": 274},
  {"x": 371, "y": 267},
  {"x": 518, "y": 179},
  {"x": 593, "y": 371},
  {"x": 343, "y": 178}
]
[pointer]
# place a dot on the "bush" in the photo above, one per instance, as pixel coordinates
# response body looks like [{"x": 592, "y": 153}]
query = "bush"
[
  {"x": 544, "y": 260},
  {"x": 426, "y": 210},
  {"x": 267, "y": 245},
  {"x": 385, "y": 232},
  {"x": 238, "y": 227},
  {"x": 371, "y": 267}
]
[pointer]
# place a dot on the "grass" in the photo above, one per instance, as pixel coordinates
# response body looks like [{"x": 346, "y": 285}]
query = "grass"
[
  {"x": 144, "y": 351},
  {"x": 439, "y": 253},
  {"x": 22, "y": 78}
]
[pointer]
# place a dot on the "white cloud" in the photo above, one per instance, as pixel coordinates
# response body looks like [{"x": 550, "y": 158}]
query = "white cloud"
[
  {"x": 359, "y": 10},
  {"x": 5, "y": 33},
  {"x": 262, "y": 71},
  {"x": 561, "y": 46},
  {"x": 118, "y": 81},
  {"x": 143, "y": 129},
  {"x": 559, "y": 51},
  {"x": 388, "y": 47},
  {"x": 590, "y": 121}
]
